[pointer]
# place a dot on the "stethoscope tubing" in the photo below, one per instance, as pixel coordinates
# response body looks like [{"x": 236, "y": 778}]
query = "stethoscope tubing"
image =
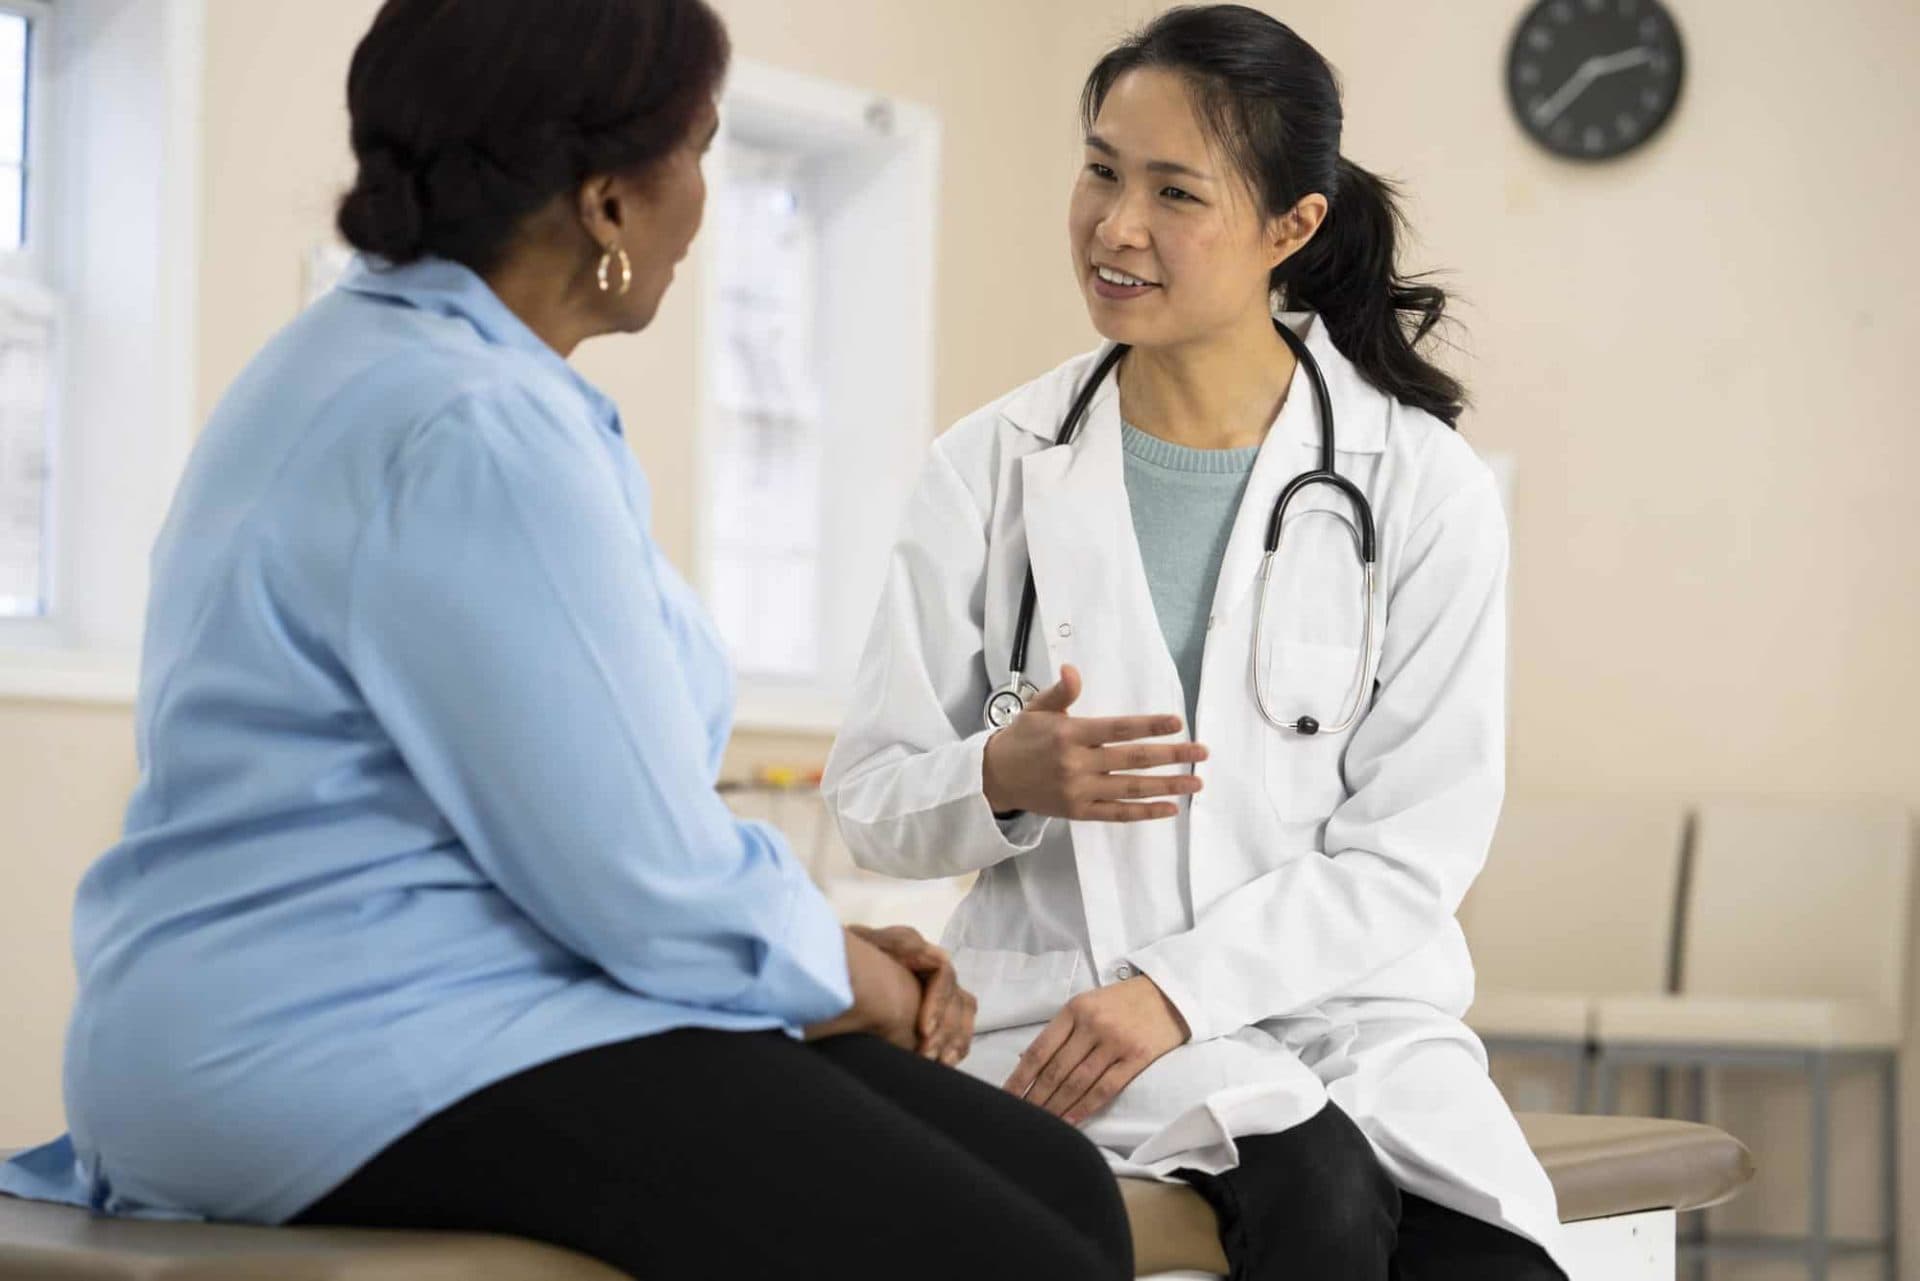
[{"x": 1008, "y": 700}]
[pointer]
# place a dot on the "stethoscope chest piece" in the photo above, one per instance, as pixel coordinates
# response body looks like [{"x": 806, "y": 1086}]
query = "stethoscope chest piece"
[{"x": 1008, "y": 702}]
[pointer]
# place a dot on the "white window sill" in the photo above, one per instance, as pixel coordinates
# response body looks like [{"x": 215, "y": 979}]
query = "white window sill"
[
  {"x": 83, "y": 676},
  {"x": 68, "y": 676},
  {"x": 764, "y": 709}
]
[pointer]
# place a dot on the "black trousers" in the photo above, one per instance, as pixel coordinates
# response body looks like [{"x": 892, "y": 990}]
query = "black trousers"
[
  {"x": 1313, "y": 1204},
  {"x": 709, "y": 1154}
]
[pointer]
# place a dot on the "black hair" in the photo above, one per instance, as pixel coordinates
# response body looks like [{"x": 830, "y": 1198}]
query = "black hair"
[
  {"x": 470, "y": 115},
  {"x": 1272, "y": 103}
]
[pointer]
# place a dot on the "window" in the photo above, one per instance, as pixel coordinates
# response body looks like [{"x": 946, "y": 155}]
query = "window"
[
  {"x": 817, "y": 329},
  {"x": 99, "y": 266},
  {"x": 26, "y": 450},
  {"x": 765, "y": 458},
  {"x": 27, "y": 318}
]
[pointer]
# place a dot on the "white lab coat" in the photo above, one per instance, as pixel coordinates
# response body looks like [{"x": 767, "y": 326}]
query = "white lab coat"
[{"x": 1300, "y": 911}]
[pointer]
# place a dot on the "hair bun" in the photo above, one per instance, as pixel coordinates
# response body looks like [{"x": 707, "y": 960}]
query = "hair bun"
[{"x": 382, "y": 214}]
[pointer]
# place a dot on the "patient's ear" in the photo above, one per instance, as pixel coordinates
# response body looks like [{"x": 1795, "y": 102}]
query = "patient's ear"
[{"x": 604, "y": 204}]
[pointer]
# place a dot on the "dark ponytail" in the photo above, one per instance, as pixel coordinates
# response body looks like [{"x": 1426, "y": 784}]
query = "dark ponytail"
[
  {"x": 1273, "y": 104},
  {"x": 1377, "y": 317},
  {"x": 470, "y": 115}
]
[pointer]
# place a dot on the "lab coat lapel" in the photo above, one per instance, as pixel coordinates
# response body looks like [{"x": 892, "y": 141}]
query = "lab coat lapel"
[
  {"x": 1096, "y": 610},
  {"x": 1097, "y": 613}
]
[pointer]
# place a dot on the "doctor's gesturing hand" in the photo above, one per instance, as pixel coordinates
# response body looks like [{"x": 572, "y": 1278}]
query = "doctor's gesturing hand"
[{"x": 1060, "y": 766}]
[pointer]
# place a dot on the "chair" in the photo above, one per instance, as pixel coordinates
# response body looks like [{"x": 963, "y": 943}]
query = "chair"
[
  {"x": 1604, "y": 871},
  {"x": 1619, "y": 1181},
  {"x": 1793, "y": 955}
]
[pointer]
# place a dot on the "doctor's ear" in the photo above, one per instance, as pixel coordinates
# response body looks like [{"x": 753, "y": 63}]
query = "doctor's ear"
[{"x": 1289, "y": 232}]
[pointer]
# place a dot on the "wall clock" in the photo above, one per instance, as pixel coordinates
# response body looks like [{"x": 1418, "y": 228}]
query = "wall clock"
[{"x": 1594, "y": 79}]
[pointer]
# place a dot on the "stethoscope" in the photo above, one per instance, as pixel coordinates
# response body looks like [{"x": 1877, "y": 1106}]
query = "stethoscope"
[{"x": 1010, "y": 699}]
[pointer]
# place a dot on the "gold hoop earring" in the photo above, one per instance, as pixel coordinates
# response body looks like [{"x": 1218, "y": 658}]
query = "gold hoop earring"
[{"x": 606, "y": 271}]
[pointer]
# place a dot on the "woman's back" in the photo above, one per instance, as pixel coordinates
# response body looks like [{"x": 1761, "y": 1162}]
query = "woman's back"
[{"x": 296, "y": 921}]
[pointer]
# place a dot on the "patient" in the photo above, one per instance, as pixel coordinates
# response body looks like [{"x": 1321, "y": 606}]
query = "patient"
[{"x": 427, "y": 914}]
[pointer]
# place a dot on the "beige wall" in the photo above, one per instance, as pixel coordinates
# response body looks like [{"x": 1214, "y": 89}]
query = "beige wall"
[
  {"x": 64, "y": 775},
  {"x": 1692, "y": 353}
]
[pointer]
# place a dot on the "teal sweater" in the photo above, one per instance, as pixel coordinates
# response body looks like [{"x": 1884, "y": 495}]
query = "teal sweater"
[{"x": 1184, "y": 502}]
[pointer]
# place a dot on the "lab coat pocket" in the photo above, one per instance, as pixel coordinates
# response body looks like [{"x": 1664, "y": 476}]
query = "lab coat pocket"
[
  {"x": 1305, "y": 778},
  {"x": 1015, "y": 988}
]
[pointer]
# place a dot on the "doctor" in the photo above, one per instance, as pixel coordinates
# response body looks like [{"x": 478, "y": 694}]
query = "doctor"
[{"x": 1230, "y": 957}]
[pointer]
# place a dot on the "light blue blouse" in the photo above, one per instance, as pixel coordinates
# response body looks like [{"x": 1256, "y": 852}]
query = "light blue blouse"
[{"x": 428, "y": 732}]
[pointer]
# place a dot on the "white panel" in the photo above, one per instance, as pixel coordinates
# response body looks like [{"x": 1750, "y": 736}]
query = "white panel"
[{"x": 1633, "y": 1247}]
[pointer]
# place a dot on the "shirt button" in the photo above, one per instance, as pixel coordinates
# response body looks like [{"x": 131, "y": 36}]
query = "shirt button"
[
  {"x": 1122, "y": 972},
  {"x": 1066, "y": 629}
]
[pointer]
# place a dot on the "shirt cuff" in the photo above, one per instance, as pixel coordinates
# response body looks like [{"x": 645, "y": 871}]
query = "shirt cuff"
[
  {"x": 1182, "y": 997},
  {"x": 1019, "y": 832},
  {"x": 1022, "y": 831},
  {"x": 804, "y": 979}
]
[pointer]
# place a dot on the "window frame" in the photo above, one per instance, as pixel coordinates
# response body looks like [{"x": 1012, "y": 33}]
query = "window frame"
[
  {"x": 34, "y": 260},
  {"x": 118, "y": 143},
  {"x": 29, "y": 270},
  {"x": 870, "y": 462}
]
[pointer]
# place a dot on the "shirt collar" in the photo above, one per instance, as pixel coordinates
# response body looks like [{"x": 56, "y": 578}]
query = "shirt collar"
[{"x": 442, "y": 287}]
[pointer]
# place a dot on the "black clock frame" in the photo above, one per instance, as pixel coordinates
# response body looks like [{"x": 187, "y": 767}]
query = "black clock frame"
[{"x": 1573, "y": 150}]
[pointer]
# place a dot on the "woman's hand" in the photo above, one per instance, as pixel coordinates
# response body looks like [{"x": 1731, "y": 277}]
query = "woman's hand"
[
  {"x": 1059, "y": 766},
  {"x": 886, "y": 998},
  {"x": 944, "y": 1027},
  {"x": 1096, "y": 1046}
]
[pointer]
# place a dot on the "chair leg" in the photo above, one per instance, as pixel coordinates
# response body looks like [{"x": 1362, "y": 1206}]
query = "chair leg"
[
  {"x": 1820, "y": 1084},
  {"x": 1696, "y": 1230},
  {"x": 1582, "y": 1080},
  {"x": 1890, "y": 1162},
  {"x": 1606, "y": 1084}
]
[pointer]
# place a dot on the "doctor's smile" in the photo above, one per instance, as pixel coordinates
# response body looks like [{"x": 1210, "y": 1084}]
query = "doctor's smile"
[{"x": 1118, "y": 286}]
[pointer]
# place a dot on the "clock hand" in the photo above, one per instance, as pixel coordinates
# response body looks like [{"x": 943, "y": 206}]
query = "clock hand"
[
  {"x": 1622, "y": 61},
  {"x": 1590, "y": 70}
]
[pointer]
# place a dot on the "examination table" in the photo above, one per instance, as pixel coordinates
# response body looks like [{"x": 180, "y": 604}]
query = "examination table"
[{"x": 1620, "y": 1181}]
